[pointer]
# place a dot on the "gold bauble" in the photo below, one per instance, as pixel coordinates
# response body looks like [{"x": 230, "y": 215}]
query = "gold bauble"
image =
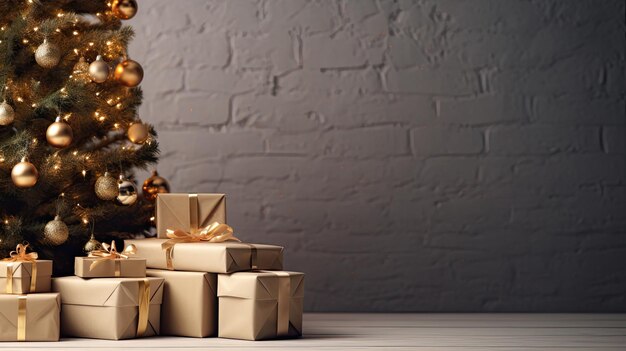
[
  {"x": 92, "y": 245},
  {"x": 129, "y": 73},
  {"x": 80, "y": 72},
  {"x": 56, "y": 232},
  {"x": 99, "y": 70},
  {"x": 124, "y": 9},
  {"x": 106, "y": 187},
  {"x": 127, "y": 192},
  {"x": 24, "y": 174},
  {"x": 155, "y": 185},
  {"x": 7, "y": 114},
  {"x": 59, "y": 134},
  {"x": 138, "y": 133},
  {"x": 48, "y": 54}
]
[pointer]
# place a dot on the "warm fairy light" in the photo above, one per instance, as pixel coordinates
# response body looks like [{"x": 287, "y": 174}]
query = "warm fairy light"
[
  {"x": 84, "y": 172},
  {"x": 116, "y": 125},
  {"x": 62, "y": 195},
  {"x": 2, "y": 159},
  {"x": 75, "y": 32},
  {"x": 6, "y": 221},
  {"x": 60, "y": 14},
  {"x": 19, "y": 99},
  {"x": 25, "y": 41},
  {"x": 152, "y": 219},
  {"x": 56, "y": 167},
  {"x": 85, "y": 220},
  {"x": 86, "y": 157},
  {"x": 109, "y": 43},
  {"x": 67, "y": 116},
  {"x": 91, "y": 43},
  {"x": 98, "y": 93},
  {"x": 33, "y": 105},
  {"x": 75, "y": 153},
  {"x": 76, "y": 51},
  {"x": 36, "y": 29},
  {"x": 34, "y": 141}
]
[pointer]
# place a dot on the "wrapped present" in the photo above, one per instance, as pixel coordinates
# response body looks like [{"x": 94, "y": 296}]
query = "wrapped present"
[
  {"x": 194, "y": 254},
  {"x": 188, "y": 212},
  {"x": 108, "y": 262},
  {"x": 109, "y": 308},
  {"x": 32, "y": 317},
  {"x": 189, "y": 303},
  {"x": 23, "y": 273},
  {"x": 260, "y": 305}
]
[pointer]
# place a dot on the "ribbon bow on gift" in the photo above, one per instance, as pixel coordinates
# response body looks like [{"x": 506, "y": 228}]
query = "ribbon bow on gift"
[
  {"x": 214, "y": 233},
  {"x": 20, "y": 255},
  {"x": 109, "y": 252}
]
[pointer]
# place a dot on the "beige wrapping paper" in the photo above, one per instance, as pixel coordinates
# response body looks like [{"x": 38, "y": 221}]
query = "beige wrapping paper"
[
  {"x": 124, "y": 268},
  {"x": 109, "y": 308},
  {"x": 188, "y": 211},
  {"x": 22, "y": 277},
  {"x": 260, "y": 305},
  {"x": 32, "y": 317},
  {"x": 189, "y": 303},
  {"x": 223, "y": 257}
]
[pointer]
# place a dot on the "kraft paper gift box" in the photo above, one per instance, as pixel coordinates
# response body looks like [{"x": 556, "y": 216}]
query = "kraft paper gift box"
[
  {"x": 189, "y": 303},
  {"x": 260, "y": 305},
  {"x": 188, "y": 212},
  {"x": 18, "y": 277},
  {"x": 108, "y": 268},
  {"x": 225, "y": 257},
  {"x": 109, "y": 308},
  {"x": 32, "y": 317}
]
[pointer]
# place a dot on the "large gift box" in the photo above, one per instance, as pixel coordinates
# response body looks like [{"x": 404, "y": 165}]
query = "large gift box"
[
  {"x": 189, "y": 303},
  {"x": 25, "y": 277},
  {"x": 32, "y": 317},
  {"x": 92, "y": 267},
  {"x": 204, "y": 256},
  {"x": 188, "y": 212},
  {"x": 260, "y": 305},
  {"x": 109, "y": 308}
]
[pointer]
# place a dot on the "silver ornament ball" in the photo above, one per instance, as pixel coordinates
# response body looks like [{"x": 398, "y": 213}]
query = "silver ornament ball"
[
  {"x": 7, "y": 114},
  {"x": 127, "y": 192},
  {"x": 56, "y": 232},
  {"x": 99, "y": 70},
  {"x": 48, "y": 54}
]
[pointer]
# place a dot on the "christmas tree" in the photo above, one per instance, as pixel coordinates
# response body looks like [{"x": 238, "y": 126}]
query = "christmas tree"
[{"x": 70, "y": 135}]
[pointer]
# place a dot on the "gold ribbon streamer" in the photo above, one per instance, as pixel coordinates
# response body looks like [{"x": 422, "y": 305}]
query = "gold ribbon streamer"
[
  {"x": 109, "y": 252},
  {"x": 21, "y": 318},
  {"x": 9, "y": 287},
  {"x": 20, "y": 255},
  {"x": 214, "y": 233},
  {"x": 143, "y": 307},
  {"x": 284, "y": 300}
]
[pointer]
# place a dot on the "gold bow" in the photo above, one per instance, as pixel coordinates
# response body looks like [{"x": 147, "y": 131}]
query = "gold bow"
[
  {"x": 20, "y": 255},
  {"x": 109, "y": 252},
  {"x": 214, "y": 233}
]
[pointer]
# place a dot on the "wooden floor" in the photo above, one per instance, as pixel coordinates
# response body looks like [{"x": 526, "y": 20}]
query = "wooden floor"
[{"x": 458, "y": 332}]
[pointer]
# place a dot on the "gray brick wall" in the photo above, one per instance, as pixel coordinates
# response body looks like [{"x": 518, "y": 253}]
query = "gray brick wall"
[{"x": 411, "y": 155}]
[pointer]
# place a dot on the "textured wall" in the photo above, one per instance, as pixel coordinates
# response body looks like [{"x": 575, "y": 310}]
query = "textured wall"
[{"x": 411, "y": 155}]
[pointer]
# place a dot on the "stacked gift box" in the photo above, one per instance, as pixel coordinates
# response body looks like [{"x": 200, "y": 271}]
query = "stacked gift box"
[{"x": 173, "y": 284}]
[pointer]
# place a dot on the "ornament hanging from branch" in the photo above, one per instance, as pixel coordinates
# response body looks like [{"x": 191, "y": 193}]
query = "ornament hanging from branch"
[
  {"x": 59, "y": 134},
  {"x": 138, "y": 133},
  {"x": 24, "y": 174},
  {"x": 48, "y": 54},
  {"x": 106, "y": 187},
  {"x": 7, "y": 114},
  {"x": 124, "y": 9},
  {"x": 127, "y": 192},
  {"x": 129, "y": 73},
  {"x": 155, "y": 185},
  {"x": 99, "y": 70}
]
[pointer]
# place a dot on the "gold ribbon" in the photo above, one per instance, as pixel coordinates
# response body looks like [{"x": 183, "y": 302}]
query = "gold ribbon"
[
  {"x": 109, "y": 252},
  {"x": 20, "y": 255},
  {"x": 21, "y": 318},
  {"x": 214, "y": 233},
  {"x": 143, "y": 307},
  {"x": 284, "y": 300}
]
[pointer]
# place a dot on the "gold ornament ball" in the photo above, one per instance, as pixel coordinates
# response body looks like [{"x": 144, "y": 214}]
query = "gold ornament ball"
[
  {"x": 155, "y": 185},
  {"x": 129, "y": 73},
  {"x": 99, "y": 70},
  {"x": 24, "y": 174},
  {"x": 7, "y": 114},
  {"x": 59, "y": 134},
  {"x": 106, "y": 187},
  {"x": 124, "y": 9},
  {"x": 56, "y": 232},
  {"x": 138, "y": 133},
  {"x": 92, "y": 245},
  {"x": 127, "y": 192},
  {"x": 80, "y": 71},
  {"x": 48, "y": 54}
]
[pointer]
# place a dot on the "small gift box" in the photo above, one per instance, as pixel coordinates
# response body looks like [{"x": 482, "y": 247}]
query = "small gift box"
[
  {"x": 23, "y": 273},
  {"x": 188, "y": 212},
  {"x": 110, "y": 308},
  {"x": 207, "y": 252},
  {"x": 108, "y": 262},
  {"x": 260, "y": 305},
  {"x": 189, "y": 303},
  {"x": 32, "y": 317}
]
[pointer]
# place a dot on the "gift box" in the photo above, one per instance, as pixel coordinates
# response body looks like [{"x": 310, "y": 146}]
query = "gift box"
[
  {"x": 204, "y": 256},
  {"x": 260, "y": 305},
  {"x": 25, "y": 277},
  {"x": 188, "y": 212},
  {"x": 189, "y": 303},
  {"x": 32, "y": 317},
  {"x": 109, "y": 308},
  {"x": 93, "y": 267}
]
